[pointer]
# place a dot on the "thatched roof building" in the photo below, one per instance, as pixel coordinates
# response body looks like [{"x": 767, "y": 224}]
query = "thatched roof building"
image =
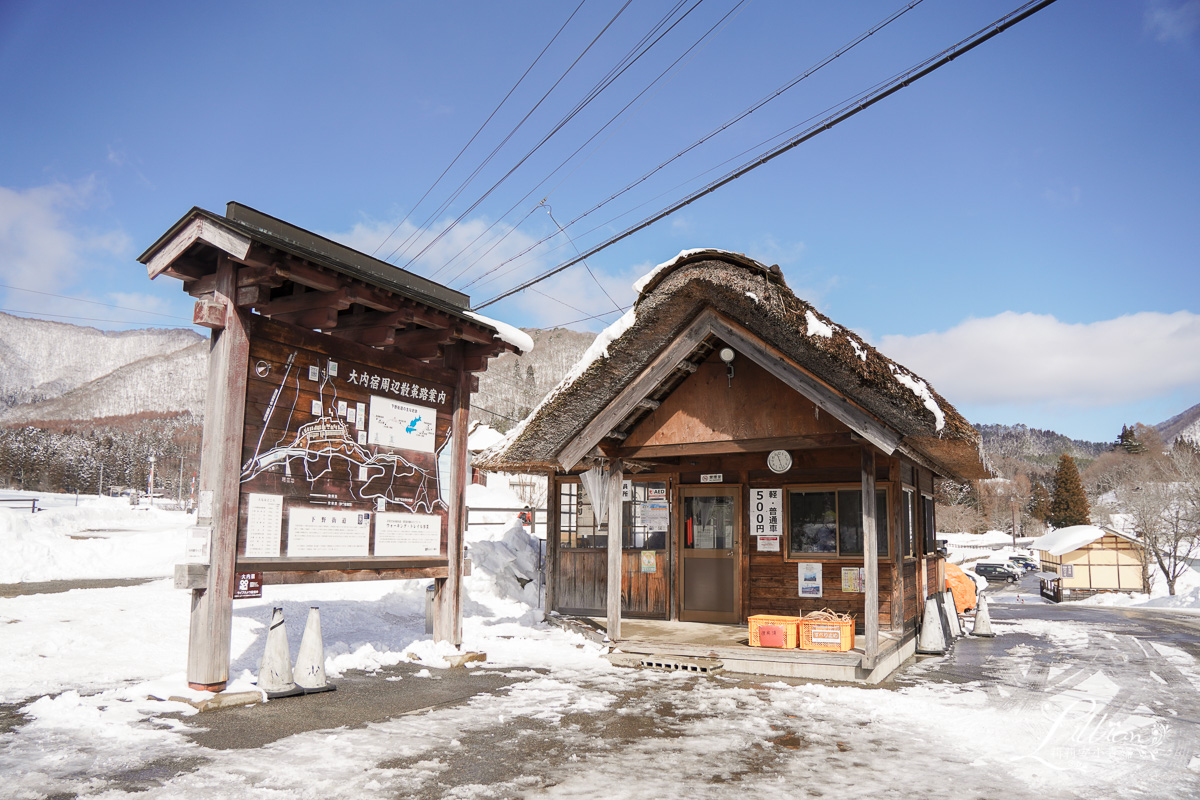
[{"x": 702, "y": 296}]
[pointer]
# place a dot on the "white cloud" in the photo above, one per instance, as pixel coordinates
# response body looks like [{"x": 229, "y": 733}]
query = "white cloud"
[
  {"x": 1170, "y": 21},
  {"x": 1036, "y": 360},
  {"x": 40, "y": 246}
]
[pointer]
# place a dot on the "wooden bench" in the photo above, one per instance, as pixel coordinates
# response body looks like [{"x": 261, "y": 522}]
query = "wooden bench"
[{"x": 20, "y": 502}]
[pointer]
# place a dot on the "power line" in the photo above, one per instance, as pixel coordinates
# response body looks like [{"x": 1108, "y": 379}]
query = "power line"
[
  {"x": 706, "y": 137},
  {"x": 603, "y": 84},
  {"x": 471, "y": 141},
  {"x": 589, "y": 140},
  {"x": 92, "y": 302},
  {"x": 90, "y": 319},
  {"x": 462, "y": 186},
  {"x": 861, "y": 103}
]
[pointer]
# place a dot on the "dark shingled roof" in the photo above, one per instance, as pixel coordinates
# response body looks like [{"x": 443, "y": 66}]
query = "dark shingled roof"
[{"x": 757, "y": 298}]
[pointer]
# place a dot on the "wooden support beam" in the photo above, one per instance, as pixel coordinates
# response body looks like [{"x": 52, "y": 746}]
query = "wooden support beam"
[
  {"x": 372, "y": 297},
  {"x": 687, "y": 366},
  {"x": 338, "y": 300},
  {"x": 616, "y": 477},
  {"x": 870, "y": 558},
  {"x": 220, "y": 467},
  {"x": 300, "y": 272},
  {"x": 818, "y": 441},
  {"x": 618, "y": 435},
  {"x": 553, "y": 533},
  {"x": 648, "y": 404},
  {"x": 209, "y": 313},
  {"x": 375, "y": 319},
  {"x": 313, "y": 319},
  {"x": 372, "y": 337},
  {"x": 448, "y": 592},
  {"x": 252, "y": 296}
]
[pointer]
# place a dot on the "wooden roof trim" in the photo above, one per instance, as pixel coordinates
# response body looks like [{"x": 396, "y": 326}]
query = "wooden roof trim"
[
  {"x": 710, "y": 323},
  {"x": 820, "y": 393},
  {"x": 199, "y": 229}
]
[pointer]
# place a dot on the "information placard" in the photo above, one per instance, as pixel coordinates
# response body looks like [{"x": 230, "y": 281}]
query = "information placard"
[
  {"x": 402, "y": 535},
  {"x": 766, "y": 512},
  {"x": 811, "y": 584},
  {"x": 394, "y": 423},
  {"x": 325, "y": 532},
  {"x": 264, "y": 525}
]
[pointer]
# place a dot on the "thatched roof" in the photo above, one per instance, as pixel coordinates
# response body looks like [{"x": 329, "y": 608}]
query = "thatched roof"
[{"x": 727, "y": 292}]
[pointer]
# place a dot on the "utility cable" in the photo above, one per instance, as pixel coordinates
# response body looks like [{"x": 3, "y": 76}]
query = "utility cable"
[
  {"x": 471, "y": 141},
  {"x": 462, "y": 186},
  {"x": 579, "y": 149},
  {"x": 592, "y": 95},
  {"x": 92, "y": 302},
  {"x": 719, "y": 129},
  {"x": 854, "y": 107}
]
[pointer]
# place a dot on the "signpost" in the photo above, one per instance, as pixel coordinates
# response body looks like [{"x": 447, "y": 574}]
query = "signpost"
[{"x": 337, "y": 384}]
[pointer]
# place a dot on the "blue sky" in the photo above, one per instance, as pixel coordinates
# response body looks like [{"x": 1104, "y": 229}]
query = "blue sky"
[{"x": 1020, "y": 227}]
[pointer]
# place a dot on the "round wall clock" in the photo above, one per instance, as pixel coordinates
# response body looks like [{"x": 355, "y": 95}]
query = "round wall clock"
[{"x": 779, "y": 461}]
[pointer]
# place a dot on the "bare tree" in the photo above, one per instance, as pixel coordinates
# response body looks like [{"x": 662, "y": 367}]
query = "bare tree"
[{"x": 1162, "y": 499}]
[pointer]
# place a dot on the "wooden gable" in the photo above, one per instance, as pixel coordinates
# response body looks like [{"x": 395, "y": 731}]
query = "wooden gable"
[{"x": 709, "y": 407}]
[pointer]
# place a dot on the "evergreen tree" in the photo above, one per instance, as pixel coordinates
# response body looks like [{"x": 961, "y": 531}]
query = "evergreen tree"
[
  {"x": 1129, "y": 441},
  {"x": 1039, "y": 502},
  {"x": 1068, "y": 502}
]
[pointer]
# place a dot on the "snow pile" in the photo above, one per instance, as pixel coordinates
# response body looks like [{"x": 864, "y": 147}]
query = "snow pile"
[
  {"x": 816, "y": 327},
  {"x": 921, "y": 390},
  {"x": 98, "y": 539},
  {"x": 505, "y": 559},
  {"x": 641, "y": 283},
  {"x": 1064, "y": 540},
  {"x": 505, "y": 332}
]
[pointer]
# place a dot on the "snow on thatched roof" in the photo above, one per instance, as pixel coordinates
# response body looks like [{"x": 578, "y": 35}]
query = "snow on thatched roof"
[{"x": 755, "y": 297}]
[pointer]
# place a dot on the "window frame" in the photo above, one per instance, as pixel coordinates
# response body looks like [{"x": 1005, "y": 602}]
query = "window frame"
[{"x": 800, "y": 555}]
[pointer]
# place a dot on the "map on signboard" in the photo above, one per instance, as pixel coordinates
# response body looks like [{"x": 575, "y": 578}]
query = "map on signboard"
[{"x": 341, "y": 441}]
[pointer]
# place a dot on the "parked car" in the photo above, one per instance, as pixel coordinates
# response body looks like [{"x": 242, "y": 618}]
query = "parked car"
[
  {"x": 1025, "y": 562},
  {"x": 1000, "y": 573}
]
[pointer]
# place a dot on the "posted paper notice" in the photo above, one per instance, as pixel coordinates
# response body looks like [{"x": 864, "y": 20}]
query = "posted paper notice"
[
  {"x": 401, "y": 535},
  {"x": 264, "y": 525},
  {"x": 406, "y": 426}
]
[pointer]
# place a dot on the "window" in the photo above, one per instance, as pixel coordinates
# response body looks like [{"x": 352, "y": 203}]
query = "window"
[
  {"x": 645, "y": 515},
  {"x": 830, "y": 521},
  {"x": 908, "y": 520},
  {"x": 576, "y": 522},
  {"x": 930, "y": 528}
]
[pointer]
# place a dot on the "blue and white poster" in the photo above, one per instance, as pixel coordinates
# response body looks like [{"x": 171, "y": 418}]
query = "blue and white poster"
[{"x": 406, "y": 426}]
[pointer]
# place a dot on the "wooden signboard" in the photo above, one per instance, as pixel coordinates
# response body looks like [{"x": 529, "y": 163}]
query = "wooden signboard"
[{"x": 344, "y": 460}]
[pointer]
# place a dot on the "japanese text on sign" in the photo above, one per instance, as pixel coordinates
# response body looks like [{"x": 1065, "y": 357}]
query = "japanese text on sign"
[
  {"x": 379, "y": 383},
  {"x": 766, "y": 512}
]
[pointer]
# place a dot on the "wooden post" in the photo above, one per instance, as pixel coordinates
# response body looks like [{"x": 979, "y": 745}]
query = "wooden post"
[
  {"x": 616, "y": 477},
  {"x": 447, "y": 623},
  {"x": 870, "y": 558},
  {"x": 553, "y": 533},
  {"x": 220, "y": 471}
]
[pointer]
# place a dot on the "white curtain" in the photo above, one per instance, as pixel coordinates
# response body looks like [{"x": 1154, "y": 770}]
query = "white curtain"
[{"x": 595, "y": 483}]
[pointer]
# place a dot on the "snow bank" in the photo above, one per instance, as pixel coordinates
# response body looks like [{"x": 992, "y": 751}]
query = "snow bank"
[
  {"x": 505, "y": 332},
  {"x": 97, "y": 539}
]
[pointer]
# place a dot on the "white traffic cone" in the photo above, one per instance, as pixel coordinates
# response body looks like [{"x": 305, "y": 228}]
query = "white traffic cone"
[
  {"x": 983, "y": 620},
  {"x": 275, "y": 671},
  {"x": 952, "y": 614},
  {"x": 309, "y": 673},
  {"x": 932, "y": 640}
]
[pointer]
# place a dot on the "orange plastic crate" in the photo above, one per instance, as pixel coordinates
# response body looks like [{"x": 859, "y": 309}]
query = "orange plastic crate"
[
  {"x": 767, "y": 630},
  {"x": 819, "y": 634}
]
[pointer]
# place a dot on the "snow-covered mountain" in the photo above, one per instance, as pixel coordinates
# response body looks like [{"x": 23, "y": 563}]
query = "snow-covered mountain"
[
  {"x": 1181, "y": 426},
  {"x": 56, "y": 371}
]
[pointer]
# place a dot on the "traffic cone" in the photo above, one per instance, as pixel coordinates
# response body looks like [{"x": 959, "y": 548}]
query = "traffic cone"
[
  {"x": 275, "y": 671},
  {"x": 932, "y": 640},
  {"x": 310, "y": 663},
  {"x": 952, "y": 614},
  {"x": 983, "y": 620}
]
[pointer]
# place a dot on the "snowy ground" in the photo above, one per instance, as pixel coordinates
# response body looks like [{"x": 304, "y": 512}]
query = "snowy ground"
[{"x": 81, "y": 668}]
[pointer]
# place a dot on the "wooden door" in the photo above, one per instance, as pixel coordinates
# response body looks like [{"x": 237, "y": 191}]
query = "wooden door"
[{"x": 709, "y": 532}]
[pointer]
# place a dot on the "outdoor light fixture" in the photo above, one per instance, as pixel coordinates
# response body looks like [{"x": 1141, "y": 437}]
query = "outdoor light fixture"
[{"x": 726, "y": 354}]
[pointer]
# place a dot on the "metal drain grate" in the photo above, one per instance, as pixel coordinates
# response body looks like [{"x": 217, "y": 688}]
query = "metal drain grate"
[{"x": 701, "y": 666}]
